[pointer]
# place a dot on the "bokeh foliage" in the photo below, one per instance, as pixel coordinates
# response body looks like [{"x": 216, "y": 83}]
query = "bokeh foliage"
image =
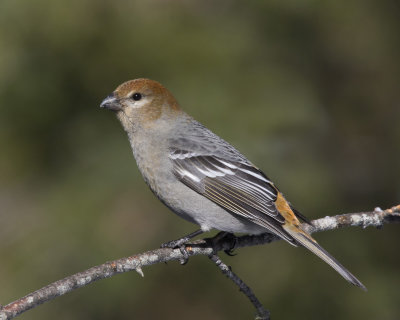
[{"x": 308, "y": 90}]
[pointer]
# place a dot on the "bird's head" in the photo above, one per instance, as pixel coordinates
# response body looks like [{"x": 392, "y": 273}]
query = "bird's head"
[{"x": 141, "y": 102}]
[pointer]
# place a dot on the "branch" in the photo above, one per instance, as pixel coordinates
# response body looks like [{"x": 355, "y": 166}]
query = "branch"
[
  {"x": 375, "y": 218},
  {"x": 263, "y": 314}
]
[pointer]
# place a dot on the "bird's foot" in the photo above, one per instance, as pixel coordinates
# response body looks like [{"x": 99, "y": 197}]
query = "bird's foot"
[
  {"x": 224, "y": 237},
  {"x": 180, "y": 244},
  {"x": 173, "y": 244}
]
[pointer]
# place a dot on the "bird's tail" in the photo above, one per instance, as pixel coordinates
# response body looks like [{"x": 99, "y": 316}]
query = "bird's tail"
[{"x": 307, "y": 241}]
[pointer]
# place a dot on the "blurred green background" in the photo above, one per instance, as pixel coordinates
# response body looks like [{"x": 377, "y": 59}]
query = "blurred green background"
[{"x": 309, "y": 91}]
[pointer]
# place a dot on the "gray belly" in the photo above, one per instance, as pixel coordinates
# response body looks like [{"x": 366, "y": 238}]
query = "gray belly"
[
  {"x": 184, "y": 201},
  {"x": 196, "y": 208}
]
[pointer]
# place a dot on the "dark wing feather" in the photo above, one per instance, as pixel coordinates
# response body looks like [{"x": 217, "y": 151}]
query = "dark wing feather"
[{"x": 236, "y": 186}]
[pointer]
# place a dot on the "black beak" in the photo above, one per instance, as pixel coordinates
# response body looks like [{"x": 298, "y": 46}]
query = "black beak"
[{"x": 111, "y": 103}]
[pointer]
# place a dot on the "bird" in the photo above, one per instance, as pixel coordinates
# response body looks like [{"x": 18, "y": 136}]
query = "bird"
[{"x": 201, "y": 177}]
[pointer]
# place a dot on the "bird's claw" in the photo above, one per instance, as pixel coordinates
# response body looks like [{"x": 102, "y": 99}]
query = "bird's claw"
[
  {"x": 173, "y": 244},
  {"x": 234, "y": 241},
  {"x": 170, "y": 244},
  {"x": 230, "y": 252},
  {"x": 185, "y": 255},
  {"x": 178, "y": 244},
  {"x": 221, "y": 237}
]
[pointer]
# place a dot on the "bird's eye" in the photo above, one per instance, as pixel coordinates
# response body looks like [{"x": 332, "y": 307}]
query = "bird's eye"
[{"x": 137, "y": 96}]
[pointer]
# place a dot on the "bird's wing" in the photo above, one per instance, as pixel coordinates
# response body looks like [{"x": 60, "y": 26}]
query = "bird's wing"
[{"x": 235, "y": 185}]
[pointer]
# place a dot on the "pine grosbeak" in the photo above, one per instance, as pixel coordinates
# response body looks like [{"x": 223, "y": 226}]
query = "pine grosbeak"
[{"x": 201, "y": 177}]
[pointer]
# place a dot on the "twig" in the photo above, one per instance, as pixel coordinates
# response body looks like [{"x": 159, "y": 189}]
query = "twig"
[
  {"x": 375, "y": 218},
  {"x": 263, "y": 314}
]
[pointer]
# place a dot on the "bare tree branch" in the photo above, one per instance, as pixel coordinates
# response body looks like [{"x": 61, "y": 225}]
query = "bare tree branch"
[
  {"x": 375, "y": 218},
  {"x": 262, "y": 313}
]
